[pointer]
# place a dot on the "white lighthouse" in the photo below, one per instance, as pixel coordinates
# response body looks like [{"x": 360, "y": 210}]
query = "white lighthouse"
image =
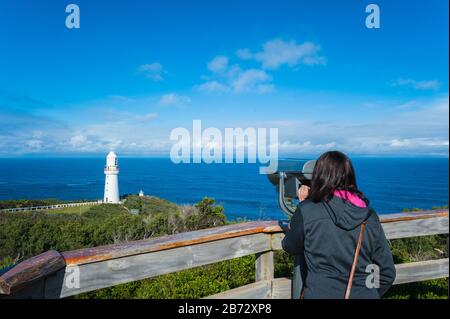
[{"x": 111, "y": 179}]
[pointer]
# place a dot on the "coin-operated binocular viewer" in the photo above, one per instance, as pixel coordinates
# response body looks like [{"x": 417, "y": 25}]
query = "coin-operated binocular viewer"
[{"x": 289, "y": 177}]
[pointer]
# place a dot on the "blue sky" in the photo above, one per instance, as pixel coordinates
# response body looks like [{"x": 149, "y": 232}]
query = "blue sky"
[{"x": 137, "y": 69}]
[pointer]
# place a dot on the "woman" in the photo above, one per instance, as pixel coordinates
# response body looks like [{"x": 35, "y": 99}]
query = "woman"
[{"x": 325, "y": 230}]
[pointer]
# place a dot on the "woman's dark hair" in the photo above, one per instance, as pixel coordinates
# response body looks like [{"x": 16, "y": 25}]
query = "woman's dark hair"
[{"x": 333, "y": 171}]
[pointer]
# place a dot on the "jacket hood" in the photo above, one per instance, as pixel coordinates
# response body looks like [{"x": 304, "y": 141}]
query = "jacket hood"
[{"x": 346, "y": 215}]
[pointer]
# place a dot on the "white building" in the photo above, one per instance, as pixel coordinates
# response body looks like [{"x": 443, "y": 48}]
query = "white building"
[{"x": 111, "y": 179}]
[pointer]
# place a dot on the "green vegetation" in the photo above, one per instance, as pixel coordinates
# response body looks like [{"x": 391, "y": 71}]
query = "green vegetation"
[
  {"x": 431, "y": 289},
  {"x": 419, "y": 249},
  {"x": 28, "y": 203},
  {"x": 25, "y": 234},
  {"x": 4, "y": 204},
  {"x": 187, "y": 284},
  {"x": 162, "y": 217},
  {"x": 80, "y": 210}
]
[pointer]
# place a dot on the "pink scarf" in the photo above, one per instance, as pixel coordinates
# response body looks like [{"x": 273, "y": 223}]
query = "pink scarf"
[{"x": 352, "y": 198}]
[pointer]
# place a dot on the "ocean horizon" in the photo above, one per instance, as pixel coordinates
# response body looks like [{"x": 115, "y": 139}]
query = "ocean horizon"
[{"x": 390, "y": 183}]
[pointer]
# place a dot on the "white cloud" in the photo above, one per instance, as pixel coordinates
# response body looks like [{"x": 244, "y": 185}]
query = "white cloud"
[
  {"x": 418, "y": 85},
  {"x": 219, "y": 64},
  {"x": 252, "y": 80},
  {"x": 418, "y": 142},
  {"x": 95, "y": 138},
  {"x": 213, "y": 87},
  {"x": 275, "y": 53},
  {"x": 123, "y": 131},
  {"x": 38, "y": 134},
  {"x": 278, "y": 52},
  {"x": 78, "y": 140},
  {"x": 174, "y": 99},
  {"x": 125, "y": 137},
  {"x": 231, "y": 78},
  {"x": 306, "y": 147},
  {"x": 153, "y": 71},
  {"x": 120, "y": 99},
  {"x": 422, "y": 130},
  {"x": 244, "y": 54},
  {"x": 116, "y": 116},
  {"x": 35, "y": 144},
  {"x": 147, "y": 117}
]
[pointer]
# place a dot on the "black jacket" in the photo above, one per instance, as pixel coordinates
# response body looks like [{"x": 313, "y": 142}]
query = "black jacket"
[{"x": 325, "y": 234}]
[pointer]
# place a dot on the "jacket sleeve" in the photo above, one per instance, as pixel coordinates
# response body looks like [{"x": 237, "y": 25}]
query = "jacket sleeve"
[
  {"x": 294, "y": 237},
  {"x": 382, "y": 257}
]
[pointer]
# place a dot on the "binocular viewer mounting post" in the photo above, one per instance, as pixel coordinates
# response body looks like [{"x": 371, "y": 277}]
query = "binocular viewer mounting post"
[{"x": 289, "y": 177}]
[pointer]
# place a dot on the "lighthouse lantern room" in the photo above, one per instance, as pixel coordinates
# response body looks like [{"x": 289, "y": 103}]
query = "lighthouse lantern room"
[{"x": 111, "y": 179}]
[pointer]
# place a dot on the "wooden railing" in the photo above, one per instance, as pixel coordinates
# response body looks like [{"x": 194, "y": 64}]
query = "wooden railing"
[
  {"x": 50, "y": 207},
  {"x": 58, "y": 275}
]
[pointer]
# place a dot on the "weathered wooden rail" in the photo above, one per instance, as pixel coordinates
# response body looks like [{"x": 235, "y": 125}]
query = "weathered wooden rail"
[{"x": 58, "y": 275}]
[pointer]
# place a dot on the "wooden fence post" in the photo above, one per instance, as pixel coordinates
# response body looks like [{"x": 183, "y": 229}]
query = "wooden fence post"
[{"x": 264, "y": 266}]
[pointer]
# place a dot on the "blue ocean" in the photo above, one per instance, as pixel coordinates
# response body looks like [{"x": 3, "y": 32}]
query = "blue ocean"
[{"x": 391, "y": 184}]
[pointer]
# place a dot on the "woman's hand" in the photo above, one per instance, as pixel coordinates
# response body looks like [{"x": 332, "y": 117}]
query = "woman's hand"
[{"x": 303, "y": 193}]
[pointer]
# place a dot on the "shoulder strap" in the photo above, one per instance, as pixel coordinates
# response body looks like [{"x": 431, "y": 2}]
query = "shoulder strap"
[{"x": 355, "y": 261}]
